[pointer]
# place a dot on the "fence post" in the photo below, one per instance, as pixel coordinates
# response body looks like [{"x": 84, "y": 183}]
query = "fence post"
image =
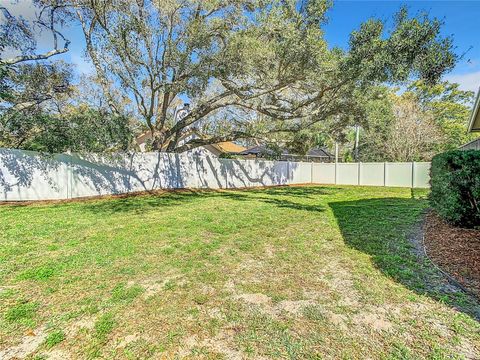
[
  {"x": 69, "y": 175},
  {"x": 226, "y": 167},
  {"x": 358, "y": 172},
  {"x": 336, "y": 161},
  {"x": 413, "y": 174},
  {"x": 70, "y": 178},
  {"x": 311, "y": 172},
  {"x": 288, "y": 173},
  {"x": 336, "y": 172},
  {"x": 384, "y": 173}
]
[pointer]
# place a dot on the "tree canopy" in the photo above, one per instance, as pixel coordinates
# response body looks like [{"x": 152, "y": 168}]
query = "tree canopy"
[
  {"x": 413, "y": 125},
  {"x": 250, "y": 69}
]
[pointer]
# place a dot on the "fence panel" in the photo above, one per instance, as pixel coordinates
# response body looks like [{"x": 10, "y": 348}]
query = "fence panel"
[
  {"x": 421, "y": 175},
  {"x": 300, "y": 172},
  {"x": 202, "y": 172},
  {"x": 398, "y": 174},
  {"x": 26, "y": 175},
  {"x": 323, "y": 173},
  {"x": 372, "y": 174},
  {"x": 347, "y": 174}
]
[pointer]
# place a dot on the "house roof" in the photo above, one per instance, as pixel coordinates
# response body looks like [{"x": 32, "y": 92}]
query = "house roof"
[
  {"x": 472, "y": 145},
  {"x": 260, "y": 149},
  {"x": 475, "y": 118},
  {"x": 319, "y": 152},
  {"x": 224, "y": 147},
  {"x": 229, "y": 147}
]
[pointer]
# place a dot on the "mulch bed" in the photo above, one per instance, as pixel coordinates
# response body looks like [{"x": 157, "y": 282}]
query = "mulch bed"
[{"x": 455, "y": 250}]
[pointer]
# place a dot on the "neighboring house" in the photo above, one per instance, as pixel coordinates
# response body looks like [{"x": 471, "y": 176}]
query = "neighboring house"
[
  {"x": 474, "y": 126},
  {"x": 313, "y": 155},
  {"x": 472, "y": 145},
  {"x": 227, "y": 147}
]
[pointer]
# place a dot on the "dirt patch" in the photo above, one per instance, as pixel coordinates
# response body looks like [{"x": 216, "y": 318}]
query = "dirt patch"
[
  {"x": 230, "y": 286},
  {"x": 294, "y": 307},
  {"x": 467, "y": 350},
  {"x": 339, "y": 280},
  {"x": 215, "y": 313},
  {"x": 58, "y": 354},
  {"x": 127, "y": 340},
  {"x": 153, "y": 286},
  {"x": 27, "y": 346},
  {"x": 221, "y": 344},
  {"x": 455, "y": 250},
  {"x": 375, "y": 321},
  {"x": 255, "y": 299},
  {"x": 266, "y": 305},
  {"x": 83, "y": 323},
  {"x": 269, "y": 251},
  {"x": 338, "y": 320}
]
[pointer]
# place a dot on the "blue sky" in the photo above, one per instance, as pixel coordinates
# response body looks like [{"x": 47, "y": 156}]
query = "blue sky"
[{"x": 461, "y": 21}]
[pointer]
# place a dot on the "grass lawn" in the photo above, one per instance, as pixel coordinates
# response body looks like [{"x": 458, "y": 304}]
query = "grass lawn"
[{"x": 296, "y": 272}]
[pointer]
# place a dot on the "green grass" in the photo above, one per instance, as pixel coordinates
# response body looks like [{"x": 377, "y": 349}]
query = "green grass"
[
  {"x": 296, "y": 272},
  {"x": 104, "y": 326},
  {"x": 22, "y": 312},
  {"x": 54, "y": 338}
]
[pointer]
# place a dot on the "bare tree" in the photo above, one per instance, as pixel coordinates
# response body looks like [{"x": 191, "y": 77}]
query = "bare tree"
[{"x": 414, "y": 135}]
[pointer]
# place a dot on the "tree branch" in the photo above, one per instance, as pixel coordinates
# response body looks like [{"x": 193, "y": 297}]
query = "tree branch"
[
  {"x": 212, "y": 140},
  {"x": 37, "y": 57}
]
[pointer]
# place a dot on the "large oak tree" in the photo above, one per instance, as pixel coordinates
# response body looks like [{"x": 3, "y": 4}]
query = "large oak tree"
[{"x": 249, "y": 67}]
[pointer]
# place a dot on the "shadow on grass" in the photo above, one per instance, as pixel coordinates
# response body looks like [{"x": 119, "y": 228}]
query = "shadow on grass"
[
  {"x": 155, "y": 201},
  {"x": 388, "y": 230}
]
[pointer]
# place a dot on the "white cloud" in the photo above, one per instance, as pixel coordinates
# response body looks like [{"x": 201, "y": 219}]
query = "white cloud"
[
  {"x": 27, "y": 10},
  {"x": 24, "y": 8},
  {"x": 468, "y": 81}
]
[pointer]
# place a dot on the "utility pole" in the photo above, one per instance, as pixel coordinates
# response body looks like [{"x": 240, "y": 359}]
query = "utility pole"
[{"x": 357, "y": 138}]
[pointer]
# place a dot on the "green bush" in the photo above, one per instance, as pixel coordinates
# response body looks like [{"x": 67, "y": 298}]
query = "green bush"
[{"x": 455, "y": 187}]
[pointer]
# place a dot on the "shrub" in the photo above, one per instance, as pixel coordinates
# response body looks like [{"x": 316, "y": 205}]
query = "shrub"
[{"x": 455, "y": 187}]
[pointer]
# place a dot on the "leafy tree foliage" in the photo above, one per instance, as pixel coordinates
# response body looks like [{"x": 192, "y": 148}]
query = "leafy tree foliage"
[
  {"x": 450, "y": 108},
  {"x": 424, "y": 120},
  {"x": 33, "y": 85},
  {"x": 40, "y": 109},
  {"x": 251, "y": 69},
  {"x": 82, "y": 129},
  {"x": 265, "y": 58},
  {"x": 17, "y": 36},
  {"x": 19, "y": 33}
]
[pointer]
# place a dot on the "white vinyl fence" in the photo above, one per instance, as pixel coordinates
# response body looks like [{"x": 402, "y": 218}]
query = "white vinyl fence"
[
  {"x": 399, "y": 174},
  {"x": 26, "y": 175}
]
